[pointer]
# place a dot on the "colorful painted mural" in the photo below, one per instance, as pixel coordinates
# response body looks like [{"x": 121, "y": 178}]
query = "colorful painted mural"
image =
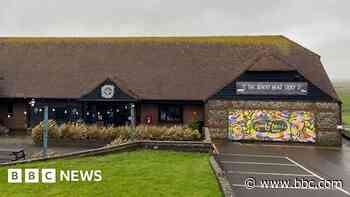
[{"x": 272, "y": 125}]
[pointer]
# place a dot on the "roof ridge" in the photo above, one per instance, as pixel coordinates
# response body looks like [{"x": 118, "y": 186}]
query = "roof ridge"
[
  {"x": 247, "y": 64},
  {"x": 301, "y": 46},
  {"x": 277, "y": 57},
  {"x": 143, "y": 36},
  {"x": 226, "y": 39},
  {"x": 280, "y": 42}
]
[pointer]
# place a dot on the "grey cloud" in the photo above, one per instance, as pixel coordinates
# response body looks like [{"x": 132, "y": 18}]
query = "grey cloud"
[{"x": 322, "y": 26}]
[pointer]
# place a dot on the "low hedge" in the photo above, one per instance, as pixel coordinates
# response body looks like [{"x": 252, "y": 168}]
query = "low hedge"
[{"x": 79, "y": 131}]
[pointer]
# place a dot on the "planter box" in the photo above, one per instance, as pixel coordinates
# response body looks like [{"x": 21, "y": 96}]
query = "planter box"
[{"x": 129, "y": 146}]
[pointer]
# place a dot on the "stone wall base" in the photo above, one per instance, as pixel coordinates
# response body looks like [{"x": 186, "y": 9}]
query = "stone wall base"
[
  {"x": 329, "y": 138},
  {"x": 327, "y": 117}
]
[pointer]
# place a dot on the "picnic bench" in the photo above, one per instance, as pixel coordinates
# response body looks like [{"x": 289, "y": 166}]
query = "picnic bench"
[{"x": 11, "y": 153}]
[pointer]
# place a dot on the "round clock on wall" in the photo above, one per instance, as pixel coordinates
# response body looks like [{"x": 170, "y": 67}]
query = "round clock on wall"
[{"x": 107, "y": 91}]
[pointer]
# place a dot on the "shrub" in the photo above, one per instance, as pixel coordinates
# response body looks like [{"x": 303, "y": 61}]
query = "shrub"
[
  {"x": 149, "y": 132},
  {"x": 196, "y": 125},
  {"x": 174, "y": 133},
  {"x": 117, "y": 141},
  {"x": 79, "y": 131},
  {"x": 53, "y": 131},
  {"x": 38, "y": 155}
]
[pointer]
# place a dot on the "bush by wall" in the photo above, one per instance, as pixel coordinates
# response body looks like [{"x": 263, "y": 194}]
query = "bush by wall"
[
  {"x": 197, "y": 125},
  {"x": 79, "y": 131},
  {"x": 174, "y": 133}
]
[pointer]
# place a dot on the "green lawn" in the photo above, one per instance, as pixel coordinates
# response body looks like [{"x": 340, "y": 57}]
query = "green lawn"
[
  {"x": 346, "y": 107},
  {"x": 139, "y": 173},
  {"x": 343, "y": 90},
  {"x": 345, "y": 97}
]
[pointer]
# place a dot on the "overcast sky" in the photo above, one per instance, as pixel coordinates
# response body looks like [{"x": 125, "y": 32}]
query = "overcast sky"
[{"x": 322, "y": 25}]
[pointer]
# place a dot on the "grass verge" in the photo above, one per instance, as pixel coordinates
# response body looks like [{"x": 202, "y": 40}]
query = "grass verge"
[{"x": 138, "y": 173}]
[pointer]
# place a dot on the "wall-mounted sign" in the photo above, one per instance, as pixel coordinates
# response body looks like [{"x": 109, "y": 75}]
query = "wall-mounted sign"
[
  {"x": 271, "y": 88},
  {"x": 271, "y": 125},
  {"x": 107, "y": 91}
]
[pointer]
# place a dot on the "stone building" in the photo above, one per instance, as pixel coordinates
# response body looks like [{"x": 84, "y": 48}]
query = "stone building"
[{"x": 260, "y": 88}]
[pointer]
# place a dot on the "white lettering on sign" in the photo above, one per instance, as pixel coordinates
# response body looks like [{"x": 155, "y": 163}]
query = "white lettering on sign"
[{"x": 271, "y": 88}]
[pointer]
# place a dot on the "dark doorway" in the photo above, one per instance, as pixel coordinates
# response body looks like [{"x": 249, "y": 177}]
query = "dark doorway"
[{"x": 107, "y": 113}]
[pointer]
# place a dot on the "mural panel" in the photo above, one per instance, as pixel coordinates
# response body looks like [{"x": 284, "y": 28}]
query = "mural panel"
[{"x": 272, "y": 125}]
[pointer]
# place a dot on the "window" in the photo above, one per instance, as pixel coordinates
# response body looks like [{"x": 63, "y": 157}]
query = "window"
[
  {"x": 10, "y": 109},
  {"x": 170, "y": 113},
  {"x": 61, "y": 113}
]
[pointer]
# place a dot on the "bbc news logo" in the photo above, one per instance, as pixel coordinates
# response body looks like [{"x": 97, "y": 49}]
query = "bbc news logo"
[{"x": 34, "y": 175}]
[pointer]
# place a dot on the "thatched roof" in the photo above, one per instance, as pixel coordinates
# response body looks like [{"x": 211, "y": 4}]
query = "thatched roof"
[{"x": 158, "y": 68}]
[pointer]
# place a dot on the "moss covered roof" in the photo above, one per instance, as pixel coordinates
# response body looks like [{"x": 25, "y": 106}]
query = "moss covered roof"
[
  {"x": 236, "y": 40},
  {"x": 152, "y": 67},
  {"x": 273, "y": 40}
]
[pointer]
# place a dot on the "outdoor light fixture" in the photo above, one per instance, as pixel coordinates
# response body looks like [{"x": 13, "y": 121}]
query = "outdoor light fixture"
[
  {"x": 33, "y": 111},
  {"x": 87, "y": 113},
  {"x": 32, "y": 103},
  {"x": 40, "y": 110},
  {"x": 65, "y": 111},
  {"x": 25, "y": 113},
  {"x": 53, "y": 109},
  {"x": 8, "y": 115}
]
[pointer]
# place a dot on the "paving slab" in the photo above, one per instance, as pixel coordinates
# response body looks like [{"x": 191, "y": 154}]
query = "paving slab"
[
  {"x": 264, "y": 169},
  {"x": 225, "y": 157},
  {"x": 24, "y": 140}
]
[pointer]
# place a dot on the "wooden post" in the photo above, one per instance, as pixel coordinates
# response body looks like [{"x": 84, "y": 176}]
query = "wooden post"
[
  {"x": 46, "y": 129},
  {"x": 133, "y": 122}
]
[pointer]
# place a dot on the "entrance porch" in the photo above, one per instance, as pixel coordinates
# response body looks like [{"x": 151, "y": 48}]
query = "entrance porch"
[{"x": 102, "y": 113}]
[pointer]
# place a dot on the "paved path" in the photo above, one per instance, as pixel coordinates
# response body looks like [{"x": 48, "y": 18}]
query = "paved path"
[
  {"x": 246, "y": 163},
  {"x": 30, "y": 148}
]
